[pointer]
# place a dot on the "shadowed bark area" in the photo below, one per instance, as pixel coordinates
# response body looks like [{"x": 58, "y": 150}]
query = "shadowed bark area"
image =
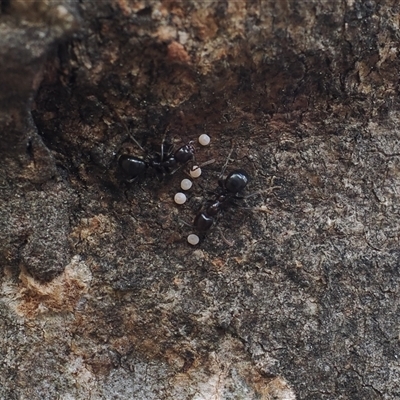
[{"x": 101, "y": 295}]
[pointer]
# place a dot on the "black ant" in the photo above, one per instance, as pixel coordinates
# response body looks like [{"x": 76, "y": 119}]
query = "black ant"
[
  {"x": 165, "y": 163},
  {"x": 228, "y": 189}
]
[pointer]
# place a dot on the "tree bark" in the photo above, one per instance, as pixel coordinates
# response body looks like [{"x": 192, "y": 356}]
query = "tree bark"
[{"x": 293, "y": 293}]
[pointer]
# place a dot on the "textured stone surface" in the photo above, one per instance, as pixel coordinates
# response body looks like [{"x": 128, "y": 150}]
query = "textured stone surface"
[{"x": 101, "y": 296}]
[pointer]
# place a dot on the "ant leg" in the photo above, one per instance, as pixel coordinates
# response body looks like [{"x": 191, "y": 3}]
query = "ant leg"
[
  {"x": 175, "y": 170},
  {"x": 128, "y": 131},
  {"x": 185, "y": 223},
  {"x": 136, "y": 142},
  {"x": 132, "y": 180}
]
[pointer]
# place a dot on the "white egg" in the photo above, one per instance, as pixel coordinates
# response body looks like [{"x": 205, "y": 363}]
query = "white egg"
[
  {"x": 204, "y": 139},
  {"x": 180, "y": 198},
  {"x": 193, "y": 239},
  {"x": 186, "y": 184},
  {"x": 195, "y": 172}
]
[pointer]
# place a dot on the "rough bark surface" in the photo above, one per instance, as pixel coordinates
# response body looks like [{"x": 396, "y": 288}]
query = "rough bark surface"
[{"x": 102, "y": 298}]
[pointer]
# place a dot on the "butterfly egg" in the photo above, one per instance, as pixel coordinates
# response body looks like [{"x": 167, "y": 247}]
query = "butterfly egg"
[
  {"x": 204, "y": 139},
  {"x": 195, "y": 172},
  {"x": 186, "y": 184},
  {"x": 193, "y": 239},
  {"x": 180, "y": 198}
]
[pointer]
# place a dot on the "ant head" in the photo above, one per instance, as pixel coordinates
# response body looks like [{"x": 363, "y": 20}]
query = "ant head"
[
  {"x": 185, "y": 153},
  {"x": 236, "y": 181}
]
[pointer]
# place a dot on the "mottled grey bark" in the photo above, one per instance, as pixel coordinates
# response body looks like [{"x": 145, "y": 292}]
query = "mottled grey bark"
[{"x": 101, "y": 297}]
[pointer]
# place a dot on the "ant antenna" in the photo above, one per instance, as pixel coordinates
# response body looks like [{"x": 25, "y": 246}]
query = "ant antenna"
[
  {"x": 230, "y": 243},
  {"x": 162, "y": 142},
  {"x": 227, "y": 161},
  {"x": 269, "y": 190},
  {"x": 194, "y": 168}
]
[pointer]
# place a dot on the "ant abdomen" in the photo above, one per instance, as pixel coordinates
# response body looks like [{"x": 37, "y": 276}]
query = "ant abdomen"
[
  {"x": 133, "y": 167},
  {"x": 203, "y": 222}
]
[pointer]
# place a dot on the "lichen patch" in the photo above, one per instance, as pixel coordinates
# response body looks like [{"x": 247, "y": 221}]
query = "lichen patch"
[{"x": 30, "y": 297}]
